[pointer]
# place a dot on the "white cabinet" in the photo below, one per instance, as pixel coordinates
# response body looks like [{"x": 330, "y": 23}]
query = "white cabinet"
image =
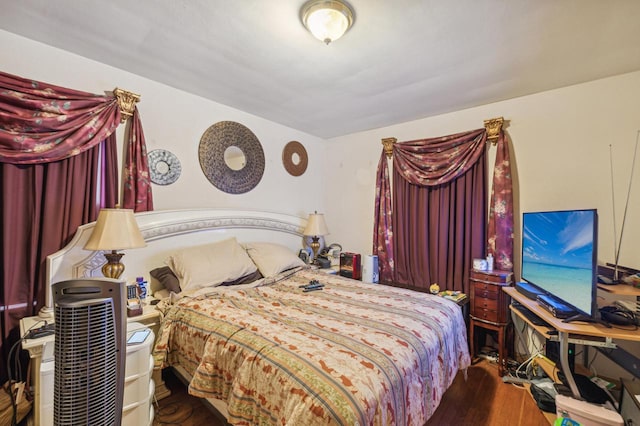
[{"x": 139, "y": 387}]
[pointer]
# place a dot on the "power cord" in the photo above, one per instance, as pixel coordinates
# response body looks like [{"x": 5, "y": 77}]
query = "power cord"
[
  {"x": 14, "y": 404},
  {"x": 33, "y": 332}
]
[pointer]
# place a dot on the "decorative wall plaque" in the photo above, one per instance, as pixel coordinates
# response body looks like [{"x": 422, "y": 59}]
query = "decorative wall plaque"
[
  {"x": 294, "y": 158},
  {"x": 232, "y": 178},
  {"x": 164, "y": 167}
]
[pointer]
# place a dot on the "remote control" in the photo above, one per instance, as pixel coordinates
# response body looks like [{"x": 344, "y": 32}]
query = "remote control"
[
  {"x": 314, "y": 285},
  {"x": 308, "y": 289}
]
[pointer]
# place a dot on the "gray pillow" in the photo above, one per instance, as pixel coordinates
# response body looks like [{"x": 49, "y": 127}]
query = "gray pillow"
[{"x": 167, "y": 278}]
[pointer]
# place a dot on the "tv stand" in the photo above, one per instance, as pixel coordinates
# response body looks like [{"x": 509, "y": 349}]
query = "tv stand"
[{"x": 589, "y": 334}]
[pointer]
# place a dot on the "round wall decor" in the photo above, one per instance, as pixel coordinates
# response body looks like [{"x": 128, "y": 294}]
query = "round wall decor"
[
  {"x": 241, "y": 171},
  {"x": 294, "y": 158},
  {"x": 164, "y": 167}
]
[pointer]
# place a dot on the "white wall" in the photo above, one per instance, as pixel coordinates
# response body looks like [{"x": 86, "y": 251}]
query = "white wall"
[
  {"x": 560, "y": 149},
  {"x": 560, "y": 152},
  {"x": 175, "y": 120}
]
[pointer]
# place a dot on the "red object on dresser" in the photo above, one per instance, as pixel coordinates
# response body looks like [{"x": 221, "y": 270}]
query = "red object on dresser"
[{"x": 350, "y": 265}]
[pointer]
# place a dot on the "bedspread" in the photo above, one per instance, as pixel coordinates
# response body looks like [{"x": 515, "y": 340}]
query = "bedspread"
[{"x": 351, "y": 354}]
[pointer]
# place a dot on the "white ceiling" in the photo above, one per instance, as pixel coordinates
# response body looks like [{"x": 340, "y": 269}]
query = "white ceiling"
[{"x": 402, "y": 60}]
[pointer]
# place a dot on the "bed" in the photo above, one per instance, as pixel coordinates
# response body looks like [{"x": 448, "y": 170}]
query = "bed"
[{"x": 265, "y": 351}]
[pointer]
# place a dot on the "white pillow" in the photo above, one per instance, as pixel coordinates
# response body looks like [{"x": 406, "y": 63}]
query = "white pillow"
[
  {"x": 272, "y": 258},
  {"x": 211, "y": 264}
]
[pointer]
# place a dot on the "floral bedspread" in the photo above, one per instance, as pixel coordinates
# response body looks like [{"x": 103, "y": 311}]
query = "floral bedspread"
[{"x": 350, "y": 354}]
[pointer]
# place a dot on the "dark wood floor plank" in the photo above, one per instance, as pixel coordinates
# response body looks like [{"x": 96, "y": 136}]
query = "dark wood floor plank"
[{"x": 483, "y": 399}]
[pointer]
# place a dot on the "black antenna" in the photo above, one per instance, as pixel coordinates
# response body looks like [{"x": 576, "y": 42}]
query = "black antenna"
[
  {"x": 624, "y": 216},
  {"x": 615, "y": 231}
]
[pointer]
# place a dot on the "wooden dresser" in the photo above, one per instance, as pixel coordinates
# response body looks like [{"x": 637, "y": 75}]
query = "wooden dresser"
[{"x": 490, "y": 309}]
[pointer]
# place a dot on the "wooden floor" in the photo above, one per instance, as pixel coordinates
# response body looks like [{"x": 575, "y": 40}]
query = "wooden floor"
[{"x": 482, "y": 400}]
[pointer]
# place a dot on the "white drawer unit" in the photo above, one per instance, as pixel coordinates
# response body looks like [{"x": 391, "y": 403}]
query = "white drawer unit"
[
  {"x": 138, "y": 384},
  {"x": 137, "y": 407}
]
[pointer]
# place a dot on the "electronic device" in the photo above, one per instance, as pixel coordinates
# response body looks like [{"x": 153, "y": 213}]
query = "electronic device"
[
  {"x": 556, "y": 307},
  {"x": 138, "y": 336},
  {"x": 617, "y": 315},
  {"x": 559, "y": 261},
  {"x": 552, "y": 351},
  {"x": 90, "y": 326},
  {"x": 323, "y": 262},
  {"x": 134, "y": 304},
  {"x": 350, "y": 265}
]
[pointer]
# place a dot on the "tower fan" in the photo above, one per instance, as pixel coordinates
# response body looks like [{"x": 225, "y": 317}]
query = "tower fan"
[{"x": 90, "y": 350}]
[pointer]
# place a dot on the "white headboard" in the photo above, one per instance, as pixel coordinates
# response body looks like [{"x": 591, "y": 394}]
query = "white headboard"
[{"x": 168, "y": 230}]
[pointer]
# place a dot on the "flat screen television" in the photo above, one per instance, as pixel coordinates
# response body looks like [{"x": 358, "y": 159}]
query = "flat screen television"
[{"x": 559, "y": 257}]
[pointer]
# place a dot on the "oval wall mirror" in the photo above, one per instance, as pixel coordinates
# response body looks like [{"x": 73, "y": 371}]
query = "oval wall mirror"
[
  {"x": 234, "y": 158},
  {"x": 231, "y": 157}
]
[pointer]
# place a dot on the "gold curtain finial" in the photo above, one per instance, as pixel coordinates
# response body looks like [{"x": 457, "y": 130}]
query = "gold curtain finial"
[
  {"x": 387, "y": 144},
  {"x": 127, "y": 103},
  {"x": 493, "y": 127}
]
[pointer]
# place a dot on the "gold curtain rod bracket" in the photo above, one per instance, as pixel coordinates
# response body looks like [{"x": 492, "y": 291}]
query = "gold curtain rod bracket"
[
  {"x": 126, "y": 102},
  {"x": 493, "y": 127},
  {"x": 387, "y": 143}
]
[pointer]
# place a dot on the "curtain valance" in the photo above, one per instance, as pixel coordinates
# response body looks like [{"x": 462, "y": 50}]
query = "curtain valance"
[
  {"x": 429, "y": 162},
  {"x": 41, "y": 123}
]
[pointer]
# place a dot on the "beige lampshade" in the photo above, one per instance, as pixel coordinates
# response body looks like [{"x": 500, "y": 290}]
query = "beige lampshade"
[
  {"x": 316, "y": 225},
  {"x": 116, "y": 229}
]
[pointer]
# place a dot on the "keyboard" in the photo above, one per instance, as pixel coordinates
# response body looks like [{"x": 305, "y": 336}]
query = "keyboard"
[{"x": 533, "y": 318}]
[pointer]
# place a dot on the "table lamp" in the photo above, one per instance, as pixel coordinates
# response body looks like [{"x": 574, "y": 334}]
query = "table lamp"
[
  {"x": 115, "y": 229},
  {"x": 316, "y": 227}
]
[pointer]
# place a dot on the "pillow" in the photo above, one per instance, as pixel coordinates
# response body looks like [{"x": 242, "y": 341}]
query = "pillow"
[
  {"x": 254, "y": 276},
  {"x": 211, "y": 264},
  {"x": 272, "y": 258},
  {"x": 166, "y": 278}
]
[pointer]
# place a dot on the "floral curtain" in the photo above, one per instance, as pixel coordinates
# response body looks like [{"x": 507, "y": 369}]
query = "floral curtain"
[
  {"x": 137, "y": 186},
  {"x": 500, "y": 230},
  {"x": 41, "y": 123},
  {"x": 433, "y": 162},
  {"x": 382, "y": 231}
]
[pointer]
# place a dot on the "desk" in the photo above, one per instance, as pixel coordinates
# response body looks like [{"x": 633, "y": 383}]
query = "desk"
[{"x": 581, "y": 333}]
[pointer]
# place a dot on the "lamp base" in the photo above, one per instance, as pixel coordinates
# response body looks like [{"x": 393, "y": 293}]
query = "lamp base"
[
  {"x": 113, "y": 268},
  {"x": 315, "y": 246}
]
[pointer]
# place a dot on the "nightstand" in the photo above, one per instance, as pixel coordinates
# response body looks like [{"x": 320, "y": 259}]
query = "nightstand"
[
  {"x": 42, "y": 348},
  {"x": 490, "y": 309}
]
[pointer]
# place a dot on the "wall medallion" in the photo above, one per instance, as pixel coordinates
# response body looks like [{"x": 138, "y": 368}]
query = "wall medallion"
[
  {"x": 164, "y": 167},
  {"x": 294, "y": 158},
  {"x": 231, "y": 157}
]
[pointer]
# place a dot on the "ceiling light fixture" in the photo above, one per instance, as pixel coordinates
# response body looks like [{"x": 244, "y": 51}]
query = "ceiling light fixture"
[{"x": 327, "y": 20}]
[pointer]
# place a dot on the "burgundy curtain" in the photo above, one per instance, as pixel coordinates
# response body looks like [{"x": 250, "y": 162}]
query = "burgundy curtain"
[
  {"x": 440, "y": 230},
  {"x": 52, "y": 162},
  {"x": 42, "y": 205},
  {"x": 382, "y": 230},
  {"x": 40, "y": 122},
  {"x": 137, "y": 186},
  {"x": 437, "y": 224},
  {"x": 500, "y": 242}
]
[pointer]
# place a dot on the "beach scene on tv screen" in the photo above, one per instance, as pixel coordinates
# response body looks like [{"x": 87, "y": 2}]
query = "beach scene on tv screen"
[{"x": 557, "y": 254}]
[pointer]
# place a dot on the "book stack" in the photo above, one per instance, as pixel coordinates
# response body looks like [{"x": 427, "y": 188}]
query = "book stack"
[{"x": 456, "y": 296}]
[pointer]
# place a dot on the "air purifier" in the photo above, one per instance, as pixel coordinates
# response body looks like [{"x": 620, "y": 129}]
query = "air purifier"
[{"x": 90, "y": 351}]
